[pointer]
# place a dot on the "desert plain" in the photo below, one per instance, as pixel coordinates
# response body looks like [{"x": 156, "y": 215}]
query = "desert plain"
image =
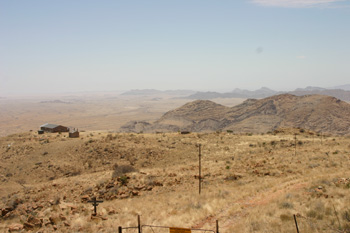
[{"x": 249, "y": 182}]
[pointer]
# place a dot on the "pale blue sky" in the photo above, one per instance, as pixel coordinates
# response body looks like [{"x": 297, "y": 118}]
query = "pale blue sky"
[{"x": 85, "y": 45}]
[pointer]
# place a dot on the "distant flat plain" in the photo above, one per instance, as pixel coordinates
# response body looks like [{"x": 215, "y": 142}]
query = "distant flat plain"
[{"x": 87, "y": 111}]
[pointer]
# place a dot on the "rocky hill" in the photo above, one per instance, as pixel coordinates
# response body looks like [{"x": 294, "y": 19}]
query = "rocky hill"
[
  {"x": 314, "y": 112},
  {"x": 337, "y": 93}
]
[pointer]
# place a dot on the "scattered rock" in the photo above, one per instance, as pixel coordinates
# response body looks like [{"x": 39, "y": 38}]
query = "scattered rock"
[
  {"x": 46, "y": 222},
  {"x": 6, "y": 210},
  {"x": 15, "y": 227},
  {"x": 233, "y": 177},
  {"x": 112, "y": 211},
  {"x": 85, "y": 198},
  {"x": 28, "y": 226},
  {"x": 34, "y": 221},
  {"x": 62, "y": 217},
  {"x": 54, "y": 219}
]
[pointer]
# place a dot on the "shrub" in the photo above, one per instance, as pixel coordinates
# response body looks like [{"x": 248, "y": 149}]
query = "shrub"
[
  {"x": 123, "y": 180},
  {"x": 285, "y": 217},
  {"x": 311, "y": 214},
  {"x": 119, "y": 170},
  {"x": 287, "y": 205},
  {"x": 346, "y": 215}
]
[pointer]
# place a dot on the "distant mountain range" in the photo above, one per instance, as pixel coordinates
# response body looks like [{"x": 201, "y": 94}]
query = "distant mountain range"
[
  {"x": 236, "y": 93},
  {"x": 150, "y": 92},
  {"x": 345, "y": 87},
  {"x": 266, "y": 92},
  {"x": 54, "y": 102},
  {"x": 318, "y": 113},
  {"x": 340, "y": 92}
]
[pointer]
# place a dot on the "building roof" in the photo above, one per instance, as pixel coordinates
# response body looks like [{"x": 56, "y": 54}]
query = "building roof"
[{"x": 51, "y": 126}]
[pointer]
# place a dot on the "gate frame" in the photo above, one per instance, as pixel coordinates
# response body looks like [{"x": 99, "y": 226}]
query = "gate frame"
[
  {"x": 192, "y": 229},
  {"x": 139, "y": 227}
]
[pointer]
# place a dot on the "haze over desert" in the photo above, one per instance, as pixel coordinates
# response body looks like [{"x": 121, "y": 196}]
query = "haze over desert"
[{"x": 175, "y": 116}]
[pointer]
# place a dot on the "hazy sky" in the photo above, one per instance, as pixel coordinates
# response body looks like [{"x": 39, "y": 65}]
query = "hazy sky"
[{"x": 94, "y": 45}]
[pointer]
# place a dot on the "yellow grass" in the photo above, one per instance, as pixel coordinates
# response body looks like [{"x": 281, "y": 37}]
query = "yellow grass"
[{"x": 252, "y": 183}]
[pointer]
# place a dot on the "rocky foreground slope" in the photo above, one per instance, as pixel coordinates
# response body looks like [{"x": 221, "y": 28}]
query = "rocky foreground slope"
[
  {"x": 250, "y": 183},
  {"x": 314, "y": 112}
]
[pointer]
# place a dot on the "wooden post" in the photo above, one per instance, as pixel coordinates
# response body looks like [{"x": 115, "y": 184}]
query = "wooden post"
[
  {"x": 217, "y": 226},
  {"x": 120, "y": 230},
  {"x": 139, "y": 223},
  {"x": 200, "y": 170},
  {"x": 95, "y": 202},
  {"x": 296, "y": 223}
]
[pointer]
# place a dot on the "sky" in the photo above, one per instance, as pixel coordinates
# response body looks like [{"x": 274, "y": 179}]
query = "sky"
[{"x": 208, "y": 45}]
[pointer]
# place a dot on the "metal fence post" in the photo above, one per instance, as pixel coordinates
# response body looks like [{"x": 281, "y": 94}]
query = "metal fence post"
[
  {"x": 120, "y": 230},
  {"x": 139, "y": 223},
  {"x": 217, "y": 226},
  {"x": 200, "y": 169},
  {"x": 296, "y": 223}
]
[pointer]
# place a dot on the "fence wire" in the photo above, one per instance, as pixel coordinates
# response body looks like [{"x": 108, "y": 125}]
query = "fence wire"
[{"x": 165, "y": 229}]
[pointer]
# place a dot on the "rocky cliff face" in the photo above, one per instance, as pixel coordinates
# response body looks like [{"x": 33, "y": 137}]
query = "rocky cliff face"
[{"x": 314, "y": 112}]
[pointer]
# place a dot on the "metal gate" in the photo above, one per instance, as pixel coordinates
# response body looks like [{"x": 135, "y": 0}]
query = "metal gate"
[
  {"x": 166, "y": 229},
  {"x": 163, "y": 229}
]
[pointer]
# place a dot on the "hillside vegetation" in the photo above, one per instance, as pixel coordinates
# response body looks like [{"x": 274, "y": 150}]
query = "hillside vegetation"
[{"x": 251, "y": 182}]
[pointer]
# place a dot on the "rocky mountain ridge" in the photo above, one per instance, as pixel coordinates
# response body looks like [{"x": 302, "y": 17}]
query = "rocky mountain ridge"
[{"x": 318, "y": 113}]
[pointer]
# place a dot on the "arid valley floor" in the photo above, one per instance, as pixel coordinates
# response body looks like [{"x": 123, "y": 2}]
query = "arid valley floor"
[{"x": 251, "y": 182}]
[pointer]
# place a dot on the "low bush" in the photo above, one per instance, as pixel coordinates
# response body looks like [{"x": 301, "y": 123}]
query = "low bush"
[{"x": 119, "y": 170}]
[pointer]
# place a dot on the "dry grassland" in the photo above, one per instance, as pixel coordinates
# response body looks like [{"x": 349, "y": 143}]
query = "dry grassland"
[{"x": 251, "y": 183}]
